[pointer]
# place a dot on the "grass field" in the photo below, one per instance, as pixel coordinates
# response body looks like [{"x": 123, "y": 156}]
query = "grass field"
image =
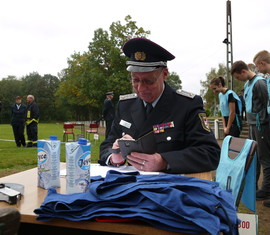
[{"x": 14, "y": 159}]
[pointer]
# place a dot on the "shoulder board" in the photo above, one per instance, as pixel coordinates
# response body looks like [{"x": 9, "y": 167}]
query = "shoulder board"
[
  {"x": 128, "y": 96},
  {"x": 185, "y": 93}
]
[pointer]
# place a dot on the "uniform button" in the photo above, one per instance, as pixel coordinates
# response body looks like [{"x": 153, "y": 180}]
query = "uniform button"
[
  {"x": 123, "y": 133},
  {"x": 169, "y": 138}
]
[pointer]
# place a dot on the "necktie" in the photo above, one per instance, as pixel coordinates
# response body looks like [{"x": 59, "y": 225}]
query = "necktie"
[{"x": 148, "y": 110}]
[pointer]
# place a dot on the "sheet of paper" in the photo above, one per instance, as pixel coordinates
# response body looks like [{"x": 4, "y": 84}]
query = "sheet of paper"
[{"x": 96, "y": 169}]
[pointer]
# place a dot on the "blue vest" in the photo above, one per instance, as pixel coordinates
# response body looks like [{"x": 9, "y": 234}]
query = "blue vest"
[
  {"x": 231, "y": 173},
  {"x": 248, "y": 94},
  {"x": 224, "y": 105}
]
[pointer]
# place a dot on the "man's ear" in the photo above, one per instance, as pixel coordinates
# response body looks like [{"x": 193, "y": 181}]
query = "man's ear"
[
  {"x": 243, "y": 71},
  {"x": 263, "y": 63},
  {"x": 166, "y": 73}
]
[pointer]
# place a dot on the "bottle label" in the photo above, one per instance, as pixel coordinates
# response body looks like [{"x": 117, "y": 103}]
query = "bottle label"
[
  {"x": 48, "y": 163},
  {"x": 78, "y": 160}
]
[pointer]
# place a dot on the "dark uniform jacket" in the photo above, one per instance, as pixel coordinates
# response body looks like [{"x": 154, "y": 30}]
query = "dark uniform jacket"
[
  {"x": 18, "y": 115},
  {"x": 108, "y": 110},
  {"x": 32, "y": 113},
  {"x": 259, "y": 103},
  {"x": 188, "y": 147}
]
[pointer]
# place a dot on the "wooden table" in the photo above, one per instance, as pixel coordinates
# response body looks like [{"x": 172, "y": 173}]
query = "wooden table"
[{"x": 34, "y": 196}]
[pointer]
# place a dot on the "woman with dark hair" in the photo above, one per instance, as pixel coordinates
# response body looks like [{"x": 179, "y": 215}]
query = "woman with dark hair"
[{"x": 230, "y": 107}]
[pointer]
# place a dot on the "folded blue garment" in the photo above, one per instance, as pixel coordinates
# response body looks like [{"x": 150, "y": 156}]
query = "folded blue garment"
[{"x": 171, "y": 202}]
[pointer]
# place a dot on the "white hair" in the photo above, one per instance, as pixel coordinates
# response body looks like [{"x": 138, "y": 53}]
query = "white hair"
[{"x": 31, "y": 96}]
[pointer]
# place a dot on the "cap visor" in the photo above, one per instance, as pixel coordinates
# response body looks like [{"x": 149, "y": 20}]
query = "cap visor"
[{"x": 140, "y": 69}]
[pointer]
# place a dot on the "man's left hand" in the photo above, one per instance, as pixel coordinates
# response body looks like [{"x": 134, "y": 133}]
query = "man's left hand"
[{"x": 147, "y": 162}]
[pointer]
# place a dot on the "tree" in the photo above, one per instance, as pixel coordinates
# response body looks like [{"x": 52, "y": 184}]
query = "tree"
[
  {"x": 10, "y": 87},
  {"x": 174, "y": 81},
  {"x": 70, "y": 99},
  {"x": 101, "y": 69},
  {"x": 43, "y": 89}
]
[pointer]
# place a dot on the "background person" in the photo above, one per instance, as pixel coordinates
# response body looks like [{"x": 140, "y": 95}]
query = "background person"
[
  {"x": 32, "y": 117},
  {"x": 18, "y": 112},
  {"x": 184, "y": 142},
  {"x": 230, "y": 107},
  {"x": 262, "y": 63},
  {"x": 256, "y": 98},
  {"x": 108, "y": 112}
]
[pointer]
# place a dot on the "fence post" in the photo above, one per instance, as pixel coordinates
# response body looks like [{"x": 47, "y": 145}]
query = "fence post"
[{"x": 216, "y": 128}]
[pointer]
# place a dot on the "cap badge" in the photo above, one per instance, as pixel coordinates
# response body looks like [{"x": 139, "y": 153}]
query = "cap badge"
[{"x": 140, "y": 56}]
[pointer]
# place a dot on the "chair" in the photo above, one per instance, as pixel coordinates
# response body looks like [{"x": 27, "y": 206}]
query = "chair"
[
  {"x": 93, "y": 128},
  {"x": 9, "y": 220},
  {"x": 68, "y": 130},
  {"x": 238, "y": 165}
]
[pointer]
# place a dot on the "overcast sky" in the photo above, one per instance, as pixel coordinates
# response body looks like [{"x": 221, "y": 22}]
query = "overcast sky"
[{"x": 39, "y": 35}]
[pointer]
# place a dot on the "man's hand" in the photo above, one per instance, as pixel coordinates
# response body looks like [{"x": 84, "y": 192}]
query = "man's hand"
[
  {"x": 117, "y": 157},
  {"x": 147, "y": 162}
]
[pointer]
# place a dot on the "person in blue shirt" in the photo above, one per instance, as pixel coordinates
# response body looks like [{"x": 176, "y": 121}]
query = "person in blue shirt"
[
  {"x": 256, "y": 98},
  {"x": 230, "y": 107}
]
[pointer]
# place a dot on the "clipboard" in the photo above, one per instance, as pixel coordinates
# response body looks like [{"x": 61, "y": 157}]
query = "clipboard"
[{"x": 145, "y": 144}]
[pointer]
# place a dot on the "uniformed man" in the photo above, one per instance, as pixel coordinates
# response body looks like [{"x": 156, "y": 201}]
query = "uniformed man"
[
  {"x": 184, "y": 142},
  {"x": 18, "y": 111},
  {"x": 108, "y": 112},
  {"x": 256, "y": 99},
  {"x": 32, "y": 117}
]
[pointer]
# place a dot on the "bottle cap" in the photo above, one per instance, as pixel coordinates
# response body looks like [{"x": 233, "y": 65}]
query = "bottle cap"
[
  {"x": 82, "y": 141},
  {"x": 53, "y": 137}
]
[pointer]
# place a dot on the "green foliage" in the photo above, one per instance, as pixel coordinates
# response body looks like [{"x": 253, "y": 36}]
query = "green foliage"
[
  {"x": 174, "y": 81},
  {"x": 208, "y": 112},
  {"x": 42, "y": 87},
  {"x": 102, "y": 68},
  {"x": 10, "y": 87}
]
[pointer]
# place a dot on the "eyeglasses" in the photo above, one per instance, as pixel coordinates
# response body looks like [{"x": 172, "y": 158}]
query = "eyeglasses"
[{"x": 147, "y": 82}]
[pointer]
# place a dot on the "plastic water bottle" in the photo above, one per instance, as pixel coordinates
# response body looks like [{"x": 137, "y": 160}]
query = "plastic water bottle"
[
  {"x": 49, "y": 163},
  {"x": 78, "y": 160}
]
